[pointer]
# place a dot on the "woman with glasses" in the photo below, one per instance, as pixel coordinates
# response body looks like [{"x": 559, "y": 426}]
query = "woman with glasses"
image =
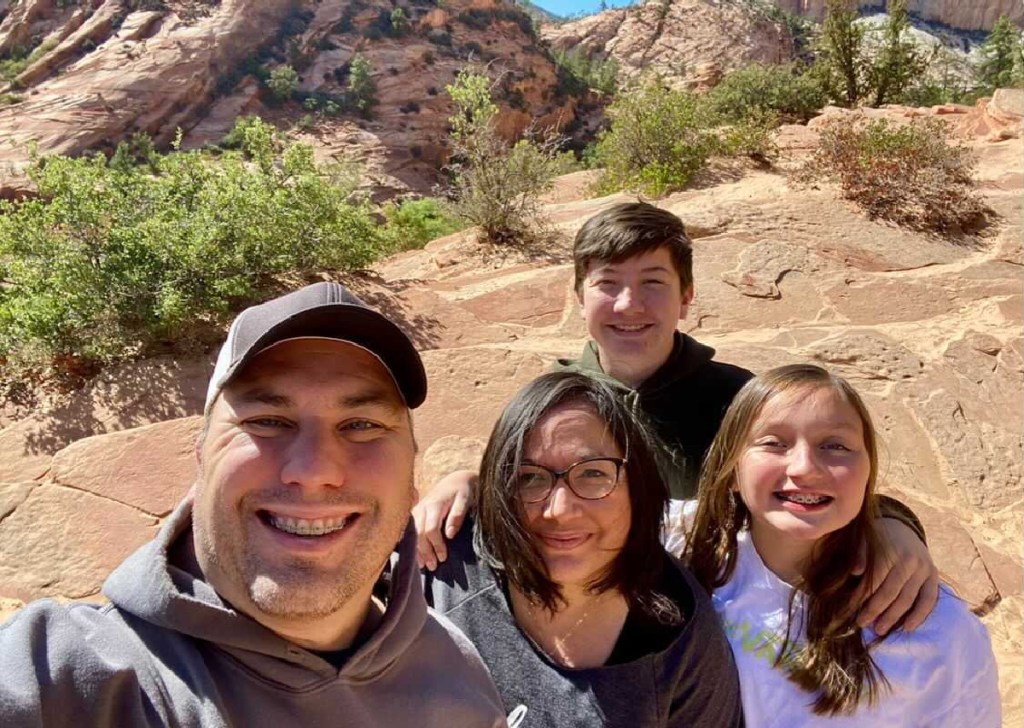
[{"x": 562, "y": 582}]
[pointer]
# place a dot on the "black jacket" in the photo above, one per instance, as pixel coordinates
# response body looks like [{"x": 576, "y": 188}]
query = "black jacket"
[{"x": 684, "y": 401}]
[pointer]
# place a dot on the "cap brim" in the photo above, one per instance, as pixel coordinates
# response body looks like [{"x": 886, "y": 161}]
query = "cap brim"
[{"x": 358, "y": 325}]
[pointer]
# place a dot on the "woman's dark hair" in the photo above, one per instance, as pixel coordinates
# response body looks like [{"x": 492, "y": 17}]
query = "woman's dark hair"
[
  {"x": 834, "y": 662},
  {"x": 501, "y": 536}
]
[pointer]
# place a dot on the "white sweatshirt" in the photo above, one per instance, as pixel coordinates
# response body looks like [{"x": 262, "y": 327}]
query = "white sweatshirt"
[{"x": 941, "y": 674}]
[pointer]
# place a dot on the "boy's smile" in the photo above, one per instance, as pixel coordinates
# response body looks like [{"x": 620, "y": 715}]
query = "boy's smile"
[{"x": 631, "y": 308}]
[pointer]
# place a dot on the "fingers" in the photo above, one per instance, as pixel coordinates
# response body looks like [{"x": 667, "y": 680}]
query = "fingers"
[
  {"x": 900, "y": 605},
  {"x": 924, "y": 604},
  {"x": 430, "y": 544},
  {"x": 881, "y": 596},
  {"x": 457, "y": 514},
  {"x": 907, "y": 579}
]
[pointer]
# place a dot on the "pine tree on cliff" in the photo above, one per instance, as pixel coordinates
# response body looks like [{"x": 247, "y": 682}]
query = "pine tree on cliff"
[
  {"x": 841, "y": 47},
  {"x": 899, "y": 61},
  {"x": 1002, "y": 63}
]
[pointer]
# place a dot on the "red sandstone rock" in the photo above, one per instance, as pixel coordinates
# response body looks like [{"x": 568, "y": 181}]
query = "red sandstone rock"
[{"x": 149, "y": 468}]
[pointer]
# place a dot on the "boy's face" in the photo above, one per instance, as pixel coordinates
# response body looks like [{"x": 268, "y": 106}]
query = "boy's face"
[{"x": 631, "y": 309}]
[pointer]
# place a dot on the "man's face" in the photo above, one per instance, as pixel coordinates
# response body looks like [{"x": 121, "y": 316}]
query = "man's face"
[
  {"x": 631, "y": 309},
  {"x": 306, "y": 481}
]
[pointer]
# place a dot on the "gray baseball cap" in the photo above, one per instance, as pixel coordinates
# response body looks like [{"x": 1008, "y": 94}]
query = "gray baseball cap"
[{"x": 324, "y": 310}]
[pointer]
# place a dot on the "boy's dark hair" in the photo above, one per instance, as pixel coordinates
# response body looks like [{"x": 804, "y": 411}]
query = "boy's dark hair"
[
  {"x": 502, "y": 538},
  {"x": 628, "y": 229}
]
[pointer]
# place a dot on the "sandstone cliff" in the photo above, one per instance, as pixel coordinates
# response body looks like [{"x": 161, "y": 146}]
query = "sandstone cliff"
[
  {"x": 689, "y": 42},
  {"x": 959, "y": 14},
  {"x": 97, "y": 72}
]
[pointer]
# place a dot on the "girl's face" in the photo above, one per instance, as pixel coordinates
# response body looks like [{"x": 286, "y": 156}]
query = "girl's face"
[
  {"x": 803, "y": 471},
  {"x": 578, "y": 538}
]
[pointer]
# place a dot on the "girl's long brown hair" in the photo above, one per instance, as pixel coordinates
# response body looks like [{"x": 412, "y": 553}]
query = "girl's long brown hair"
[{"x": 834, "y": 662}]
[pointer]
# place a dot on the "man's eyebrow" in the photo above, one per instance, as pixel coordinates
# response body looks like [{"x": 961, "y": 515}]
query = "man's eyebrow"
[
  {"x": 375, "y": 397},
  {"x": 261, "y": 395},
  {"x": 371, "y": 398}
]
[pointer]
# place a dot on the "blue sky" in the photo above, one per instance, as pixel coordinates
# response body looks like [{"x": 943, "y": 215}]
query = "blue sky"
[{"x": 571, "y": 7}]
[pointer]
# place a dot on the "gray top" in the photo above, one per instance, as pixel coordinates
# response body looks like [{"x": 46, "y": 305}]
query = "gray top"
[
  {"x": 168, "y": 651},
  {"x": 691, "y": 682}
]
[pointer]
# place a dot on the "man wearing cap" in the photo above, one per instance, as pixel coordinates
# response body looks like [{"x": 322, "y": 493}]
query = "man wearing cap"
[{"x": 284, "y": 589}]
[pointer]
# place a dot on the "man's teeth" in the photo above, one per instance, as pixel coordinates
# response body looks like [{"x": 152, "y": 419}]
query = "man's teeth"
[
  {"x": 803, "y": 498},
  {"x": 634, "y": 327},
  {"x": 303, "y": 527}
]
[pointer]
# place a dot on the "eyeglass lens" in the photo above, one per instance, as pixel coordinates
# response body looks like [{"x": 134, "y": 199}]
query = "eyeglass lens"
[{"x": 590, "y": 479}]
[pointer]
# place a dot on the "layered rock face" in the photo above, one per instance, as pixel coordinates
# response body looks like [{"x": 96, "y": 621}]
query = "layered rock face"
[
  {"x": 960, "y": 14},
  {"x": 98, "y": 72},
  {"x": 927, "y": 329},
  {"x": 689, "y": 42}
]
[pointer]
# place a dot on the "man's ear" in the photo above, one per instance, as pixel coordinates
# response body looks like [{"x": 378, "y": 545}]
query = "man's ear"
[
  {"x": 198, "y": 448},
  {"x": 684, "y": 305}
]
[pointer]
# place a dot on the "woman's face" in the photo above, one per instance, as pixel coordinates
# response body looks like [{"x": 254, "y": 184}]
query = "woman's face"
[
  {"x": 804, "y": 469},
  {"x": 578, "y": 538}
]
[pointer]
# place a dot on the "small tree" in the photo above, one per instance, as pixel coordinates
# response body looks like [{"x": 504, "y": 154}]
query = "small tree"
[
  {"x": 361, "y": 86},
  {"x": 399, "y": 21},
  {"x": 659, "y": 138},
  {"x": 785, "y": 90},
  {"x": 899, "y": 61},
  {"x": 283, "y": 83},
  {"x": 495, "y": 185},
  {"x": 1001, "y": 64},
  {"x": 841, "y": 48}
]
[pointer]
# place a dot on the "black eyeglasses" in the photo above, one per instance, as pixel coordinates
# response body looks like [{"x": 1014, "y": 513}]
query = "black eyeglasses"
[{"x": 590, "y": 479}]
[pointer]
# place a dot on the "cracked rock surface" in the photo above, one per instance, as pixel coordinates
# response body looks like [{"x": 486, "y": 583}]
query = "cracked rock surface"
[{"x": 928, "y": 330}]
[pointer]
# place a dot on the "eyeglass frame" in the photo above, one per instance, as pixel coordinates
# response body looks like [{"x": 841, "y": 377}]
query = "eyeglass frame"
[{"x": 564, "y": 475}]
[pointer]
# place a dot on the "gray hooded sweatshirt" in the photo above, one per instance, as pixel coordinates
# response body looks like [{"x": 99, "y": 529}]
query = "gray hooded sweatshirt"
[{"x": 168, "y": 651}]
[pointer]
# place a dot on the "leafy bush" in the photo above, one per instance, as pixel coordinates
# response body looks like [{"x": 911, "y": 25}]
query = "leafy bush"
[
  {"x": 659, "y": 138},
  {"x": 579, "y": 72},
  {"x": 414, "y": 223},
  {"x": 757, "y": 90},
  {"x": 283, "y": 82},
  {"x": 362, "y": 88},
  {"x": 495, "y": 185},
  {"x": 907, "y": 174},
  {"x": 114, "y": 260},
  {"x": 20, "y": 59}
]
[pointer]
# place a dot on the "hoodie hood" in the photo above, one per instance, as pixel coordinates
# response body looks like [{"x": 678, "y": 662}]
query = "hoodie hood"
[
  {"x": 688, "y": 357},
  {"x": 162, "y": 584}
]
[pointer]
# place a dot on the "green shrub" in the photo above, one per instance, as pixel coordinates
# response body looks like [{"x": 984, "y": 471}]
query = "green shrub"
[
  {"x": 757, "y": 90},
  {"x": 110, "y": 262},
  {"x": 414, "y": 223},
  {"x": 283, "y": 83},
  {"x": 659, "y": 138},
  {"x": 399, "y": 21},
  {"x": 907, "y": 174},
  {"x": 495, "y": 185},
  {"x": 578, "y": 72},
  {"x": 362, "y": 89}
]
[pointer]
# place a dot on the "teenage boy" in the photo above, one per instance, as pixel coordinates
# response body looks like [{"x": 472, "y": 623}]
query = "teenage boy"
[{"x": 633, "y": 268}]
